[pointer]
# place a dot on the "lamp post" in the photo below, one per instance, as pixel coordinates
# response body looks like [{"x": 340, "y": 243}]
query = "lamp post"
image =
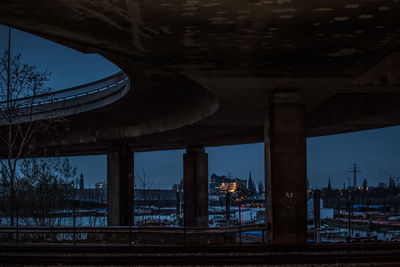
[{"x": 349, "y": 218}]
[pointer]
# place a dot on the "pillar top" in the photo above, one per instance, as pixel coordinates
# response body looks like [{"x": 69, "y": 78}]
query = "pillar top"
[
  {"x": 195, "y": 149},
  {"x": 120, "y": 147},
  {"x": 286, "y": 97}
]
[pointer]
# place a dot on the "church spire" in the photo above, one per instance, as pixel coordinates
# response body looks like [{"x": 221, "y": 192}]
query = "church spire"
[
  {"x": 250, "y": 181},
  {"x": 251, "y": 186}
]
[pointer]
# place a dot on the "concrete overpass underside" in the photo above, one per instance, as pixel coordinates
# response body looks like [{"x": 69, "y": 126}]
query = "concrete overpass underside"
[{"x": 220, "y": 72}]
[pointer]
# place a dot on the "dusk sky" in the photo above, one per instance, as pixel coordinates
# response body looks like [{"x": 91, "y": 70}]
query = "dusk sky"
[{"x": 377, "y": 152}]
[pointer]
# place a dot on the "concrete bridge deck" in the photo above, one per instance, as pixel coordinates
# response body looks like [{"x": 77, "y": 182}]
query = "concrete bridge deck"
[
  {"x": 220, "y": 72},
  {"x": 188, "y": 56}
]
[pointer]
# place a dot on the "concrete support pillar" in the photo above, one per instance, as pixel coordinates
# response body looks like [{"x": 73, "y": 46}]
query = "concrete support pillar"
[
  {"x": 120, "y": 186},
  {"x": 195, "y": 186},
  {"x": 285, "y": 170}
]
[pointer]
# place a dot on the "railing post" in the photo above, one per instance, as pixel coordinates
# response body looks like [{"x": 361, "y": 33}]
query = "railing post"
[
  {"x": 17, "y": 229},
  {"x": 74, "y": 218},
  {"x": 263, "y": 236},
  {"x": 184, "y": 227},
  {"x": 130, "y": 223},
  {"x": 349, "y": 221},
  {"x": 240, "y": 224},
  {"x": 224, "y": 237}
]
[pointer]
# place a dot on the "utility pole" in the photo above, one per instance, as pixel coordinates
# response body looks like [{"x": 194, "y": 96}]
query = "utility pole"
[{"x": 354, "y": 169}]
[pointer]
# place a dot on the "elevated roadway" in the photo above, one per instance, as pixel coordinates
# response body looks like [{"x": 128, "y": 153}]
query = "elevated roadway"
[{"x": 66, "y": 102}]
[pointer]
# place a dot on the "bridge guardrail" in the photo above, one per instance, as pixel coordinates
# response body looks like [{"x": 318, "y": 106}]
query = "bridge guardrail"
[
  {"x": 73, "y": 92},
  {"x": 41, "y": 106}
]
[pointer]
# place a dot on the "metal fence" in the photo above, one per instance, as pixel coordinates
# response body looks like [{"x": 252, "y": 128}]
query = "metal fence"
[{"x": 128, "y": 235}]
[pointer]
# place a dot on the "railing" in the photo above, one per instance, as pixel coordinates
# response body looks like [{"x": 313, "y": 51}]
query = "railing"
[
  {"x": 71, "y": 93},
  {"x": 127, "y": 234},
  {"x": 126, "y": 229},
  {"x": 46, "y": 105}
]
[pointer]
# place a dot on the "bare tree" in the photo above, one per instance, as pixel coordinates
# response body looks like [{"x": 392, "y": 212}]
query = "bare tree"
[
  {"x": 19, "y": 85},
  {"x": 43, "y": 189}
]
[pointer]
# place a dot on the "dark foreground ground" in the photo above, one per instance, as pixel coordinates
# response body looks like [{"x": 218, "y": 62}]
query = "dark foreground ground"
[{"x": 382, "y": 254}]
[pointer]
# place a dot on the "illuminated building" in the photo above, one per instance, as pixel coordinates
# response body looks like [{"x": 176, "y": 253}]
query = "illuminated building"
[
  {"x": 101, "y": 185},
  {"x": 223, "y": 184}
]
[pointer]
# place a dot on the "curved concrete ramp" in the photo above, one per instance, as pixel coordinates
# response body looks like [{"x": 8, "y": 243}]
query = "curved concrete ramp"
[{"x": 158, "y": 101}]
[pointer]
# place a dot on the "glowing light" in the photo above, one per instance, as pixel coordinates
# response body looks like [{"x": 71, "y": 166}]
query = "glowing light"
[{"x": 231, "y": 187}]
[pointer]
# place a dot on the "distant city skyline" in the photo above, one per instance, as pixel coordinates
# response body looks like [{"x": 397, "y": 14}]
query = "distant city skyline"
[{"x": 377, "y": 152}]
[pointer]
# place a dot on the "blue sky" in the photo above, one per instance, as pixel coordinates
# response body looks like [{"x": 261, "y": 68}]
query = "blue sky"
[
  {"x": 68, "y": 67},
  {"x": 376, "y": 151}
]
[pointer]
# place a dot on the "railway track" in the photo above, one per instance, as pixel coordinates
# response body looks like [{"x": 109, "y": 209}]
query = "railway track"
[{"x": 382, "y": 254}]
